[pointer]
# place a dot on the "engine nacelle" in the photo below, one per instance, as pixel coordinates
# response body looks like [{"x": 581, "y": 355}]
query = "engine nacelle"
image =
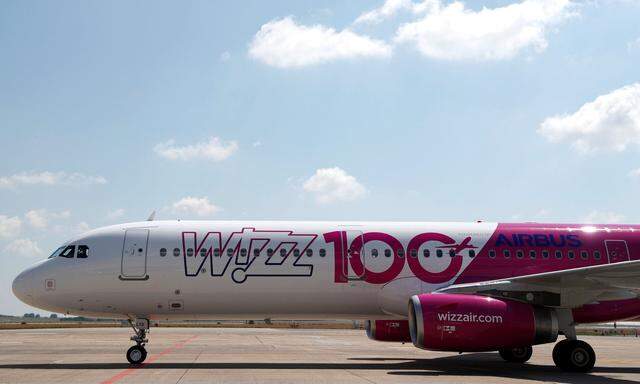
[
  {"x": 388, "y": 330},
  {"x": 469, "y": 323}
]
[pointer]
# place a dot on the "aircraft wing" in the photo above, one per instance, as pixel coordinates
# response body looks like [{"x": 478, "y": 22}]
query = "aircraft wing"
[{"x": 566, "y": 288}]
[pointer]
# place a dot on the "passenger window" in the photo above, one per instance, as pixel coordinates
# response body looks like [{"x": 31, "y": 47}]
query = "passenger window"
[
  {"x": 414, "y": 253},
  {"x": 452, "y": 252},
  {"x": 296, "y": 253},
  {"x": 256, "y": 252},
  {"x": 203, "y": 252},
  {"x": 189, "y": 252},
  {"x": 545, "y": 254},
  {"x": 571, "y": 255},
  {"x": 176, "y": 252},
  {"x": 401, "y": 253},
  {"x": 69, "y": 252},
  {"x": 439, "y": 252},
  {"x": 387, "y": 253},
  {"x": 163, "y": 252},
  {"x": 519, "y": 254},
  {"x": 596, "y": 255},
  {"x": 558, "y": 254},
  {"x": 216, "y": 252},
  {"x": 492, "y": 254},
  {"x": 283, "y": 252},
  {"x": 309, "y": 252},
  {"x": 532, "y": 254},
  {"x": 507, "y": 254},
  {"x": 374, "y": 252},
  {"x": 323, "y": 252},
  {"x": 425, "y": 253},
  {"x": 472, "y": 253},
  {"x": 269, "y": 252},
  {"x": 584, "y": 255},
  {"x": 243, "y": 252},
  {"x": 83, "y": 252},
  {"x": 230, "y": 252}
]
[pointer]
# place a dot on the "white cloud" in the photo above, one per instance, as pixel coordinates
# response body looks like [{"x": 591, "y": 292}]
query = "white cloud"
[
  {"x": 199, "y": 206},
  {"x": 283, "y": 43},
  {"x": 115, "y": 214},
  {"x": 256, "y": 144},
  {"x": 392, "y": 7},
  {"x": 39, "y": 218},
  {"x": 635, "y": 173},
  {"x": 10, "y": 226},
  {"x": 609, "y": 123},
  {"x": 23, "y": 247},
  {"x": 598, "y": 217},
  {"x": 454, "y": 32},
  {"x": 49, "y": 178},
  {"x": 634, "y": 45},
  {"x": 213, "y": 149},
  {"x": 333, "y": 184}
]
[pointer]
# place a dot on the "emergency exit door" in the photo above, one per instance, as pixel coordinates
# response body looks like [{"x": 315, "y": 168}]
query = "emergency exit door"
[{"x": 134, "y": 254}]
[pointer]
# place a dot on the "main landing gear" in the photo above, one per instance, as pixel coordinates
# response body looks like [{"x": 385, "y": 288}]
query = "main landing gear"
[
  {"x": 137, "y": 354},
  {"x": 574, "y": 356},
  {"x": 516, "y": 355},
  {"x": 570, "y": 355}
]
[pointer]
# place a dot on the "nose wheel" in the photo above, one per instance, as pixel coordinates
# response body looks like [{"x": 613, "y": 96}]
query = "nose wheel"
[
  {"x": 137, "y": 354},
  {"x": 574, "y": 356}
]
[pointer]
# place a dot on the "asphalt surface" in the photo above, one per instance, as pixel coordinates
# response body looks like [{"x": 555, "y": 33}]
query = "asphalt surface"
[{"x": 189, "y": 355}]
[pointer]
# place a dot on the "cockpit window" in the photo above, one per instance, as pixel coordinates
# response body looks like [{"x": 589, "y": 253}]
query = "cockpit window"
[
  {"x": 68, "y": 252},
  {"x": 83, "y": 252},
  {"x": 56, "y": 252}
]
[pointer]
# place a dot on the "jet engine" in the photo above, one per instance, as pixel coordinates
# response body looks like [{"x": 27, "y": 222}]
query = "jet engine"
[
  {"x": 471, "y": 323},
  {"x": 388, "y": 330}
]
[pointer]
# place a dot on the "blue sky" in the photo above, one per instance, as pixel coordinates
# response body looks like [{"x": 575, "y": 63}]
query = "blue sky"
[{"x": 313, "y": 110}]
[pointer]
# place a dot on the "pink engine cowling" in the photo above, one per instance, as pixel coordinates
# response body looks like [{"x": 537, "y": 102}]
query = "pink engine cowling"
[
  {"x": 388, "y": 330},
  {"x": 469, "y": 323}
]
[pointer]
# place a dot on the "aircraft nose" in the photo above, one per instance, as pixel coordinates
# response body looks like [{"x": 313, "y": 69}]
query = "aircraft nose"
[{"x": 22, "y": 287}]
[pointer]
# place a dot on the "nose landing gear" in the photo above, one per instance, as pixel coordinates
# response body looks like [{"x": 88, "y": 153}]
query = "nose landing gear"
[
  {"x": 137, "y": 354},
  {"x": 574, "y": 356}
]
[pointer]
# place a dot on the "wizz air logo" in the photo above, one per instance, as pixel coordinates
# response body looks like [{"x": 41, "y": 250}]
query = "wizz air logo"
[
  {"x": 469, "y": 318},
  {"x": 249, "y": 252}
]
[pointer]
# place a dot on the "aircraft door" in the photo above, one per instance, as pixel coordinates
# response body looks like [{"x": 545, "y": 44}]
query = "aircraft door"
[
  {"x": 134, "y": 255},
  {"x": 617, "y": 250}
]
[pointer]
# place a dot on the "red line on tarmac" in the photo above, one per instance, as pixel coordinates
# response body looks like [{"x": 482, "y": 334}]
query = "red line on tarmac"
[{"x": 132, "y": 370}]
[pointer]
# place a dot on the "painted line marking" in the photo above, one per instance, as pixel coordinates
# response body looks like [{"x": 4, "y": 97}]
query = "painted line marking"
[{"x": 132, "y": 370}]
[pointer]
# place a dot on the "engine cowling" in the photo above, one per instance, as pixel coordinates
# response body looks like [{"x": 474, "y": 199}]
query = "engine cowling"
[
  {"x": 470, "y": 323},
  {"x": 388, "y": 330}
]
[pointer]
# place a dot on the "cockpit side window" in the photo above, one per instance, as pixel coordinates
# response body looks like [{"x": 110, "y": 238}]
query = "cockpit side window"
[
  {"x": 68, "y": 252},
  {"x": 56, "y": 252},
  {"x": 83, "y": 252}
]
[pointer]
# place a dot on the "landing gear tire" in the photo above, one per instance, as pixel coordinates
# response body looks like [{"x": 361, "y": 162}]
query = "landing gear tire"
[
  {"x": 574, "y": 356},
  {"x": 136, "y": 354},
  {"x": 516, "y": 355}
]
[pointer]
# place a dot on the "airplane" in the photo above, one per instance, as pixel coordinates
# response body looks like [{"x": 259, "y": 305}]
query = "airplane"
[{"x": 460, "y": 287}]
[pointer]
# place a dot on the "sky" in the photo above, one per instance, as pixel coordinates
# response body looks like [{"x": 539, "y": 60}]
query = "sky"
[{"x": 313, "y": 110}]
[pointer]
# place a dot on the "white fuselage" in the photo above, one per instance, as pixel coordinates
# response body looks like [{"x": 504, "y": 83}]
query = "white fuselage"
[{"x": 245, "y": 270}]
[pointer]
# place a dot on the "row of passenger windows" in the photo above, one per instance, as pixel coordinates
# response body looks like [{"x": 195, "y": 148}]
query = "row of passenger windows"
[
  {"x": 545, "y": 254},
  {"x": 243, "y": 252},
  {"x": 309, "y": 252}
]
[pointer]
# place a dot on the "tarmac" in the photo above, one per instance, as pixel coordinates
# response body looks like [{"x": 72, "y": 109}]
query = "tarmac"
[{"x": 226, "y": 355}]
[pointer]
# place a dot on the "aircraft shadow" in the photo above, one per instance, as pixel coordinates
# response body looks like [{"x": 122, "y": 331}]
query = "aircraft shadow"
[{"x": 475, "y": 364}]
